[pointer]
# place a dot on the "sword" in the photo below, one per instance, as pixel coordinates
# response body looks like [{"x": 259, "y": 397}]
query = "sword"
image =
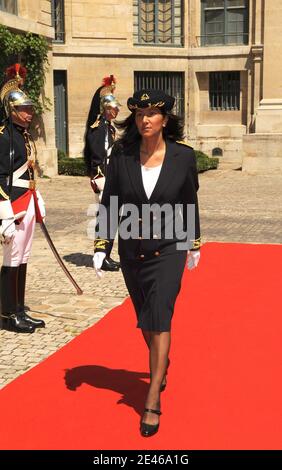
[
  {"x": 52, "y": 246},
  {"x": 58, "y": 258}
]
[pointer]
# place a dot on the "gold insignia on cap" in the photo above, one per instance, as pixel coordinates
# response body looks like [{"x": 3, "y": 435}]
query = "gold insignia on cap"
[
  {"x": 144, "y": 97},
  {"x": 159, "y": 104}
]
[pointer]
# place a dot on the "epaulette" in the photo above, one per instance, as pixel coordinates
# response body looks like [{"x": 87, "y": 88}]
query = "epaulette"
[
  {"x": 96, "y": 123},
  {"x": 2, "y": 129},
  {"x": 184, "y": 143}
]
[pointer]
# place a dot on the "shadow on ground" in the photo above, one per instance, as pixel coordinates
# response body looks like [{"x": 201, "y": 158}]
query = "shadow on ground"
[
  {"x": 129, "y": 384},
  {"x": 80, "y": 259}
]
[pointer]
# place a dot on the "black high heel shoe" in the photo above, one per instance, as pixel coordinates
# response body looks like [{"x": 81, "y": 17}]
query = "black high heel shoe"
[
  {"x": 163, "y": 385},
  {"x": 148, "y": 430}
]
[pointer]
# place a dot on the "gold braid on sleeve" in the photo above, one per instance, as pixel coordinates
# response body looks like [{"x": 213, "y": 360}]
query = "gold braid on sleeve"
[
  {"x": 3, "y": 194},
  {"x": 100, "y": 244},
  {"x": 196, "y": 244}
]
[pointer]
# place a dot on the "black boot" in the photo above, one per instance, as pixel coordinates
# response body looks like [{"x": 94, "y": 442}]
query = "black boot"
[
  {"x": 110, "y": 265},
  {"x": 117, "y": 263},
  {"x": 10, "y": 318},
  {"x": 21, "y": 297}
]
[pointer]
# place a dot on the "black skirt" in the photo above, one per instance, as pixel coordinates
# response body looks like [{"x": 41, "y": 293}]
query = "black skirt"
[{"x": 153, "y": 284}]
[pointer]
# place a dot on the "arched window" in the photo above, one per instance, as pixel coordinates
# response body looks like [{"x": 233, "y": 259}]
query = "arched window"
[{"x": 217, "y": 152}]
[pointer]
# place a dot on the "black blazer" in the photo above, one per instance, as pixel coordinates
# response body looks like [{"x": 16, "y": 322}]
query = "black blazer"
[
  {"x": 22, "y": 141},
  {"x": 177, "y": 184},
  {"x": 94, "y": 151}
]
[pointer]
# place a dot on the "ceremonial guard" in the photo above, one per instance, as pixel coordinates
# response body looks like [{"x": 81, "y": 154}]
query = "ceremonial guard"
[
  {"x": 20, "y": 203},
  {"x": 99, "y": 139}
]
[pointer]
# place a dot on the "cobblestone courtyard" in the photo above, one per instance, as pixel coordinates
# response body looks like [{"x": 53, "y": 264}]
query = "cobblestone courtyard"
[{"x": 235, "y": 207}]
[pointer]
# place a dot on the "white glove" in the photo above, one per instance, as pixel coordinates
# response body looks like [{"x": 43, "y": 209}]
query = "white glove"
[
  {"x": 98, "y": 259},
  {"x": 193, "y": 259},
  {"x": 41, "y": 204},
  {"x": 7, "y": 230},
  {"x": 100, "y": 182}
]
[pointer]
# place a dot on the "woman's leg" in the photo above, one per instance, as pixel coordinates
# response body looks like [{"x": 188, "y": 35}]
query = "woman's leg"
[
  {"x": 147, "y": 338},
  {"x": 159, "y": 351}
]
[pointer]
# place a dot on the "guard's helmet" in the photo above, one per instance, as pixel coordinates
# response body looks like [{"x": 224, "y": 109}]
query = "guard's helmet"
[
  {"x": 106, "y": 94},
  {"x": 11, "y": 94},
  {"x": 102, "y": 98}
]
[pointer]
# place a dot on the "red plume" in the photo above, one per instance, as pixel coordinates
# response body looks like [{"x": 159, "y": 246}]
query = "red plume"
[
  {"x": 16, "y": 71},
  {"x": 109, "y": 81}
]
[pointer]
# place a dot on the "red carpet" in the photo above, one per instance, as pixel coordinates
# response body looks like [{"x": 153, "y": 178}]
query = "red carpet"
[{"x": 224, "y": 382}]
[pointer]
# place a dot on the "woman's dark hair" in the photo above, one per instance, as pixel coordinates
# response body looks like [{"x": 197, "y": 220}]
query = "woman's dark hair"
[{"x": 173, "y": 130}]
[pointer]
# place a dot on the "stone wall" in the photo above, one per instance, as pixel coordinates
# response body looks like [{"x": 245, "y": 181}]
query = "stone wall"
[{"x": 35, "y": 17}]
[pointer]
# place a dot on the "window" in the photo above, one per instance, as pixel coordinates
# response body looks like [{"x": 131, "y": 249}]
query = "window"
[
  {"x": 171, "y": 83},
  {"x": 58, "y": 19},
  {"x": 158, "y": 22},
  {"x": 10, "y": 6},
  {"x": 224, "y": 22},
  {"x": 60, "y": 108},
  {"x": 224, "y": 91}
]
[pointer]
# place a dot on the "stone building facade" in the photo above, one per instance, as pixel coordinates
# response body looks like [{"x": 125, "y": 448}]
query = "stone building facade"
[
  {"x": 35, "y": 16},
  {"x": 220, "y": 58}
]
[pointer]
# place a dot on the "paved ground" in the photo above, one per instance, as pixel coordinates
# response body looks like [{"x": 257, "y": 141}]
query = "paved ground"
[{"x": 234, "y": 207}]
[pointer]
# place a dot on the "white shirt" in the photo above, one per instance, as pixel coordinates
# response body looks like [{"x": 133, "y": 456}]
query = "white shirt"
[{"x": 150, "y": 177}]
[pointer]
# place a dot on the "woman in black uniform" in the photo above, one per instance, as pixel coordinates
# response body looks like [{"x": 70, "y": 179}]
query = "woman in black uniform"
[{"x": 153, "y": 174}]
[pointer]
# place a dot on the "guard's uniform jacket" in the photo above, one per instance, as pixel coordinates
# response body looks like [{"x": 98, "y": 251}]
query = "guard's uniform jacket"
[
  {"x": 23, "y": 171},
  {"x": 99, "y": 140},
  {"x": 177, "y": 184}
]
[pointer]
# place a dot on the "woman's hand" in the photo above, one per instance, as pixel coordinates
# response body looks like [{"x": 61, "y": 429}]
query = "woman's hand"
[
  {"x": 193, "y": 259},
  {"x": 98, "y": 259}
]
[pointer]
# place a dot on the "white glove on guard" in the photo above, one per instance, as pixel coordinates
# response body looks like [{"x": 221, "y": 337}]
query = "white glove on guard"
[
  {"x": 7, "y": 230},
  {"x": 41, "y": 204},
  {"x": 100, "y": 182},
  {"x": 98, "y": 259},
  {"x": 193, "y": 259}
]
